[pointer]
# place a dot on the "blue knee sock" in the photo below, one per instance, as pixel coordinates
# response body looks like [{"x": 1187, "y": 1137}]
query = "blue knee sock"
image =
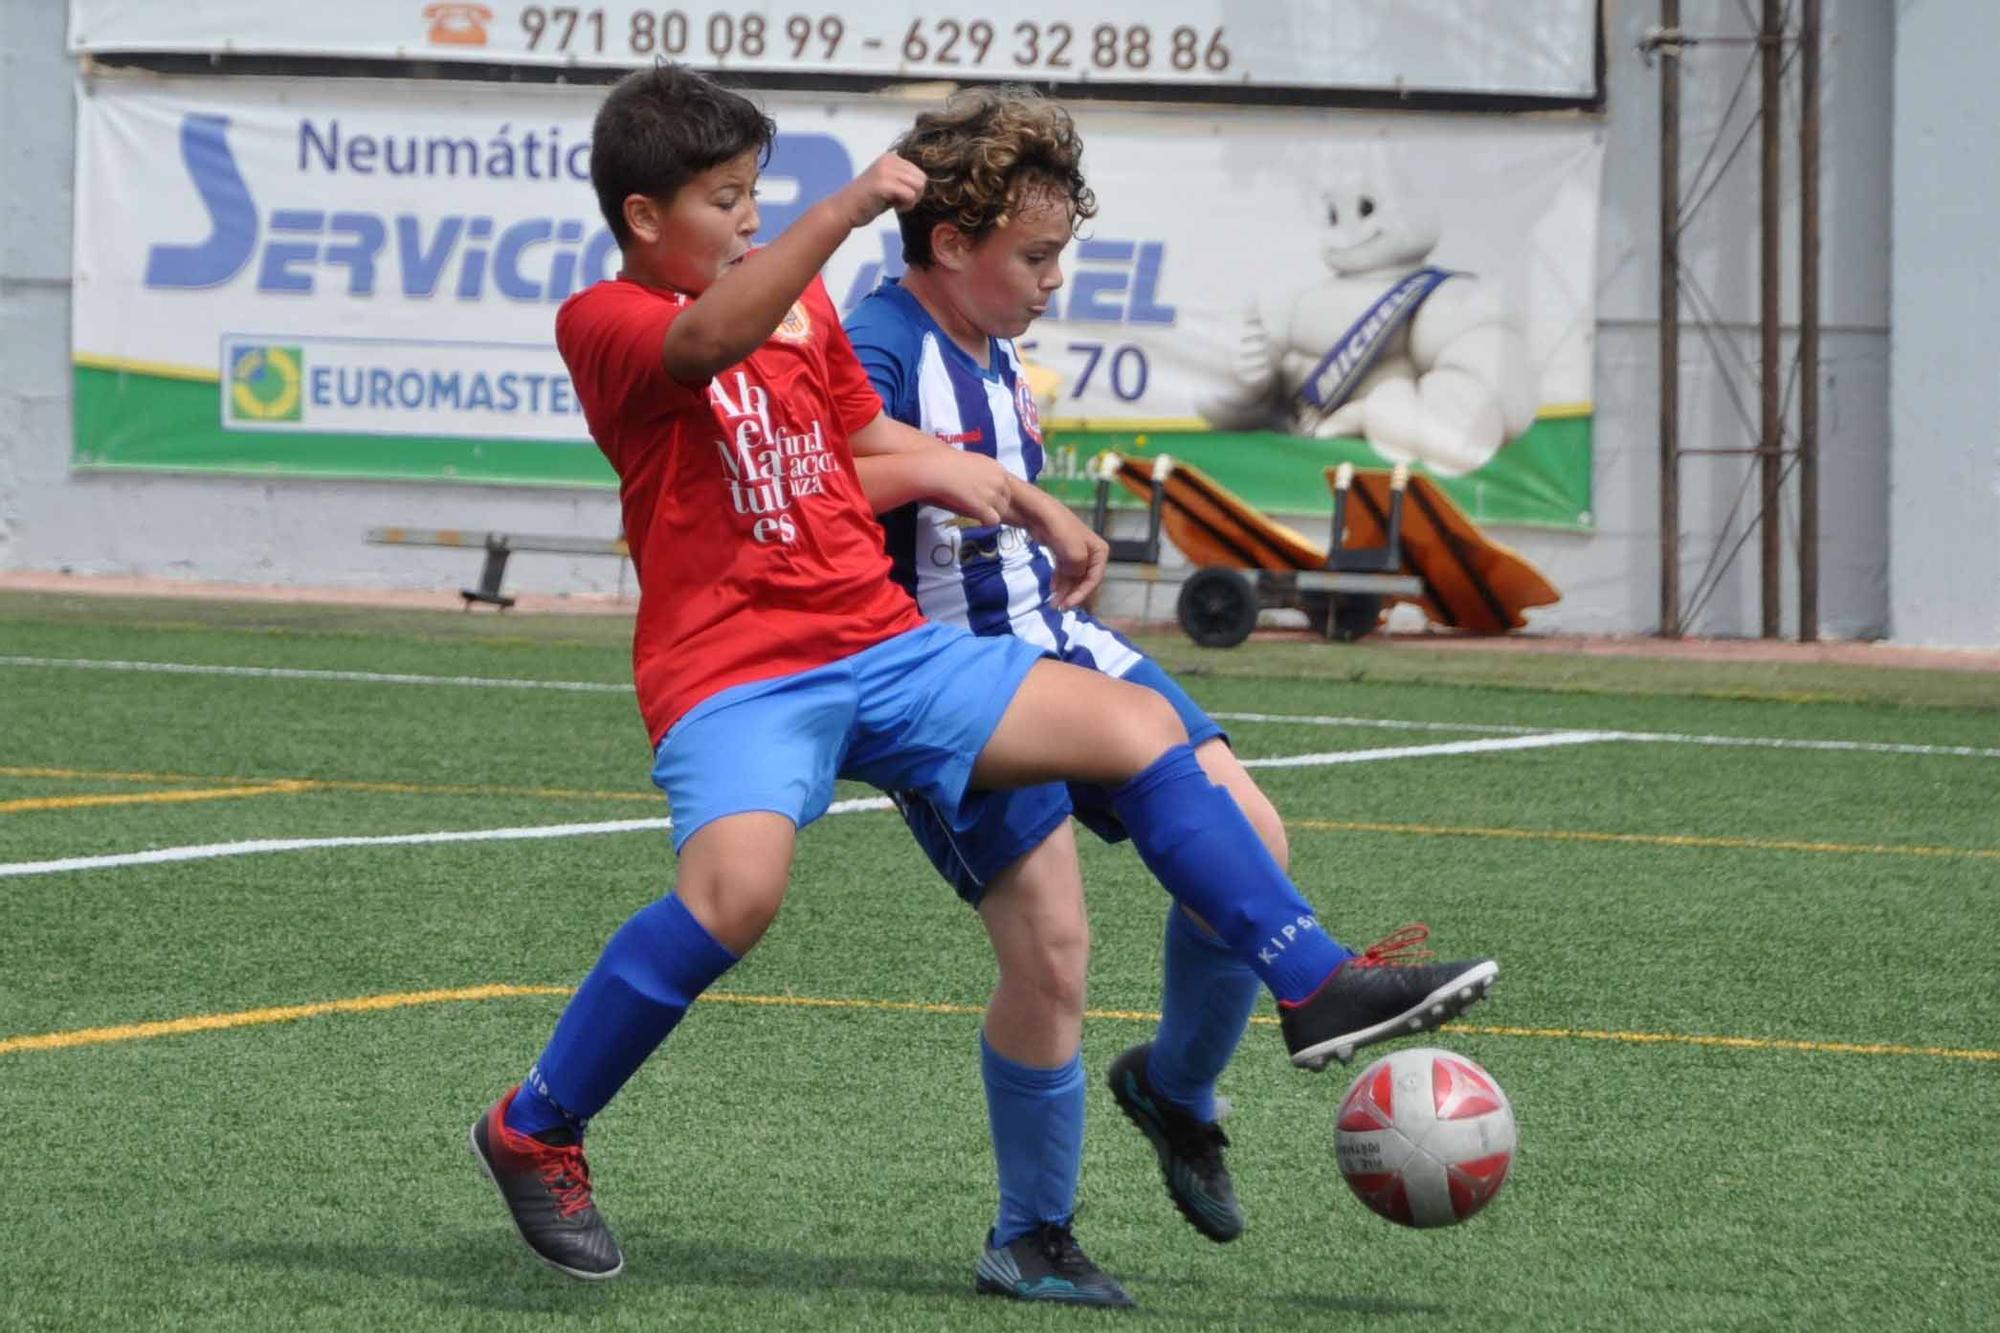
[
  {"x": 647, "y": 976},
  {"x": 1204, "y": 1012},
  {"x": 1037, "y": 1120},
  {"x": 1197, "y": 842}
]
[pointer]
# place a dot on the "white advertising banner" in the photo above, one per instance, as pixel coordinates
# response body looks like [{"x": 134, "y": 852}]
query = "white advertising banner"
[
  {"x": 1528, "y": 48},
  {"x": 354, "y": 277}
]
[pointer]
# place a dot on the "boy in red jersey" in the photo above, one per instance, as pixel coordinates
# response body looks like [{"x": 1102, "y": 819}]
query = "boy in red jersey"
[{"x": 773, "y": 655}]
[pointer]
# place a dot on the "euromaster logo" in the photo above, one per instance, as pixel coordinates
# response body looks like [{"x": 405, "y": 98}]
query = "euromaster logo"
[
  {"x": 263, "y": 383},
  {"x": 311, "y": 383}
]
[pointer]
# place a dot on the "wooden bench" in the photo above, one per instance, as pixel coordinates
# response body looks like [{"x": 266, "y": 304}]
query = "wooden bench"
[{"x": 497, "y": 546}]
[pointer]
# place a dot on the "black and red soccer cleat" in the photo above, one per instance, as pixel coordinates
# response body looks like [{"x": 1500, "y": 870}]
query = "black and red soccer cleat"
[
  {"x": 1387, "y": 991},
  {"x": 546, "y": 1187}
]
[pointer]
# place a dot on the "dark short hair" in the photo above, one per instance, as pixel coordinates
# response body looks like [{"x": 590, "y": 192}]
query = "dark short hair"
[
  {"x": 661, "y": 127},
  {"x": 988, "y": 151}
]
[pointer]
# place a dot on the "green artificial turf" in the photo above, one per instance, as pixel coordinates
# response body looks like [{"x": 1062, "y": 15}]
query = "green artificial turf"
[{"x": 810, "y": 1150}]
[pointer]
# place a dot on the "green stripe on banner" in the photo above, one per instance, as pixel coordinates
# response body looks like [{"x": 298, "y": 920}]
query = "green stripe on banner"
[
  {"x": 126, "y": 420},
  {"x": 1540, "y": 480}
]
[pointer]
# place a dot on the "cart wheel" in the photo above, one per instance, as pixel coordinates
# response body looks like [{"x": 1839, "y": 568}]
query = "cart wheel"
[
  {"x": 1355, "y": 617},
  {"x": 1217, "y": 607}
]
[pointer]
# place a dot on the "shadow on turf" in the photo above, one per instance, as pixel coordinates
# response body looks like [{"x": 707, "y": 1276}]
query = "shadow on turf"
[{"x": 493, "y": 1272}]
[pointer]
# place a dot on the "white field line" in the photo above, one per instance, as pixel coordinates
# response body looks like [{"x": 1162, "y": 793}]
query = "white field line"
[
  {"x": 528, "y": 833},
  {"x": 211, "y": 851},
  {"x": 1759, "y": 743},
  {"x": 1378, "y": 723},
  {"x": 1289, "y": 719},
  {"x": 1538, "y": 742},
  {"x": 1655, "y": 737}
]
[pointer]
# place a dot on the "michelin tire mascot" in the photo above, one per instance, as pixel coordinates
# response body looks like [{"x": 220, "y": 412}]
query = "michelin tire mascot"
[{"x": 1421, "y": 362}]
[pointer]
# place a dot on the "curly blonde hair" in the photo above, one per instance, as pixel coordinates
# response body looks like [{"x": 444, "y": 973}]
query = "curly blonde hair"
[{"x": 989, "y": 151}]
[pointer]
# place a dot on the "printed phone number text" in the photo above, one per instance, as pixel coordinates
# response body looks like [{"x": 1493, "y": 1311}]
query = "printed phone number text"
[{"x": 1058, "y": 49}]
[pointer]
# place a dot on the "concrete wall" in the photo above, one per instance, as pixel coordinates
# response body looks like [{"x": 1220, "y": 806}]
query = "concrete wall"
[
  {"x": 309, "y": 532},
  {"x": 1944, "y": 561}
]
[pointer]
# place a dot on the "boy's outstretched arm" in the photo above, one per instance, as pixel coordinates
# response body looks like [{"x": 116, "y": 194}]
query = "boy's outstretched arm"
[
  {"x": 898, "y": 463},
  {"x": 1080, "y": 554},
  {"x": 741, "y": 308}
]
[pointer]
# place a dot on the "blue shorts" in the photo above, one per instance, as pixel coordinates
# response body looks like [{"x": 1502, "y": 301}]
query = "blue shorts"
[
  {"x": 909, "y": 714},
  {"x": 990, "y": 830}
]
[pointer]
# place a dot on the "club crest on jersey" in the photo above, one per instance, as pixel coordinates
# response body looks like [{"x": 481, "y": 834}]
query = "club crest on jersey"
[
  {"x": 1024, "y": 406},
  {"x": 797, "y": 325}
]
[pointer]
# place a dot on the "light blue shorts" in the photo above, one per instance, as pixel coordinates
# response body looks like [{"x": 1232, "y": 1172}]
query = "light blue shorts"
[{"x": 910, "y": 714}]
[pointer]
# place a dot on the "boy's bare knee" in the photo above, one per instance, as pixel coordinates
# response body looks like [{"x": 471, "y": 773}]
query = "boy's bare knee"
[
  {"x": 736, "y": 906},
  {"x": 733, "y": 873},
  {"x": 1067, "y": 966},
  {"x": 1054, "y": 971},
  {"x": 1044, "y": 961},
  {"x": 1150, "y": 727},
  {"x": 1163, "y": 720}
]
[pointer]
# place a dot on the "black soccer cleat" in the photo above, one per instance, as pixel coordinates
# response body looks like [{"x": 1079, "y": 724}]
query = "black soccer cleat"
[
  {"x": 1047, "y": 1265},
  {"x": 1189, "y": 1149},
  {"x": 1380, "y": 994},
  {"x": 546, "y": 1187}
]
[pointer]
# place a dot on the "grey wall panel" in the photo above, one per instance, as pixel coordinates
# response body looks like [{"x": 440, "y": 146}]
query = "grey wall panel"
[{"x": 1944, "y": 568}]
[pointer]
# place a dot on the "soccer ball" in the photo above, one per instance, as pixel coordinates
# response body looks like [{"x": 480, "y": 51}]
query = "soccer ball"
[{"x": 1425, "y": 1137}]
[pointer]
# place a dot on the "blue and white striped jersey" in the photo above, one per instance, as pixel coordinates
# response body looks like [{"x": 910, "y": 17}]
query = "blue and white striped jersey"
[{"x": 993, "y": 580}]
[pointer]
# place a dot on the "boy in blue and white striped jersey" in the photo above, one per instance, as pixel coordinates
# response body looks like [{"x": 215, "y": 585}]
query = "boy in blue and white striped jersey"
[{"x": 1004, "y": 195}]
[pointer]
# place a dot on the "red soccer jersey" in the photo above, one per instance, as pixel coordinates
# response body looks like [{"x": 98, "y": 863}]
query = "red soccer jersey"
[{"x": 756, "y": 550}]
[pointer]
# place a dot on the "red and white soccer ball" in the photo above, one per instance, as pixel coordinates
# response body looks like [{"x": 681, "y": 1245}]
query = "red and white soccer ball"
[{"x": 1425, "y": 1137}]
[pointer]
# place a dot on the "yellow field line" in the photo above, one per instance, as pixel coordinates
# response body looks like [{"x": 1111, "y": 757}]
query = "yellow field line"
[
  {"x": 102, "y": 1036},
  {"x": 146, "y": 797},
  {"x": 1730, "y": 1043},
  {"x": 1646, "y": 839},
  {"x": 107, "y": 775},
  {"x": 904, "y": 1006},
  {"x": 245, "y": 1018},
  {"x": 297, "y": 785},
  {"x": 544, "y": 793},
  {"x": 1321, "y": 825}
]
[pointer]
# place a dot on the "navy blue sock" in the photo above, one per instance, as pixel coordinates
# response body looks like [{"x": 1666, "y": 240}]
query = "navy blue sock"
[
  {"x": 1204, "y": 1011},
  {"x": 647, "y": 976},
  {"x": 1197, "y": 842},
  {"x": 1037, "y": 1120}
]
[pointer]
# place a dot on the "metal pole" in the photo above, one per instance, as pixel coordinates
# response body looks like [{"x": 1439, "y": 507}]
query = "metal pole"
[
  {"x": 1771, "y": 40},
  {"x": 1670, "y": 321},
  {"x": 1809, "y": 38}
]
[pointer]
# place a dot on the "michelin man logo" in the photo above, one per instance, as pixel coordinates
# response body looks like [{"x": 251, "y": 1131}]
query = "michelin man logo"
[{"x": 1421, "y": 362}]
